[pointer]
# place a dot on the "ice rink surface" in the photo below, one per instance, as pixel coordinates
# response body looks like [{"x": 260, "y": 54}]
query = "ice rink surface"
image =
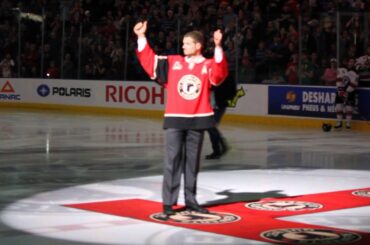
[{"x": 48, "y": 159}]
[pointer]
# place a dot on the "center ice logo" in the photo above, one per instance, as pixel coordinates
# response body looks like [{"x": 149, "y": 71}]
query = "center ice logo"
[{"x": 189, "y": 217}]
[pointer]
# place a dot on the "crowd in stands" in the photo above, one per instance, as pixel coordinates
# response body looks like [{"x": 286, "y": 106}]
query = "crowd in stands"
[{"x": 266, "y": 41}]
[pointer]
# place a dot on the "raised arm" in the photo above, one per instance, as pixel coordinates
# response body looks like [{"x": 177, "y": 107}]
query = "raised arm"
[
  {"x": 219, "y": 67},
  {"x": 144, "y": 52}
]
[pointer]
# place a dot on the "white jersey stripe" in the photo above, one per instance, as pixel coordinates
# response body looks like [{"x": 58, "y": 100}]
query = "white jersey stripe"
[{"x": 188, "y": 115}]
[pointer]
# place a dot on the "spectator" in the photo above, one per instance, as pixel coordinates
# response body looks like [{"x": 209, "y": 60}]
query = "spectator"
[
  {"x": 69, "y": 71},
  {"x": 246, "y": 70},
  {"x": 229, "y": 16},
  {"x": 168, "y": 23},
  {"x": 351, "y": 52},
  {"x": 260, "y": 61},
  {"x": 76, "y": 13},
  {"x": 88, "y": 71},
  {"x": 169, "y": 48},
  {"x": 316, "y": 68},
  {"x": 7, "y": 66},
  {"x": 276, "y": 54},
  {"x": 160, "y": 41},
  {"x": 344, "y": 43},
  {"x": 291, "y": 72},
  {"x": 276, "y": 78},
  {"x": 231, "y": 55},
  {"x": 47, "y": 56},
  {"x": 287, "y": 16},
  {"x": 358, "y": 5},
  {"x": 307, "y": 71},
  {"x": 330, "y": 74},
  {"x": 118, "y": 62},
  {"x": 101, "y": 69},
  {"x": 363, "y": 68},
  {"x": 52, "y": 71},
  {"x": 291, "y": 49},
  {"x": 34, "y": 71},
  {"x": 249, "y": 41},
  {"x": 257, "y": 21},
  {"x": 30, "y": 56},
  {"x": 326, "y": 38}
]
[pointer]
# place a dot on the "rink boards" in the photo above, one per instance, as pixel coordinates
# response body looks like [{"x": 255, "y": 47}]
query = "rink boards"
[{"x": 254, "y": 103}]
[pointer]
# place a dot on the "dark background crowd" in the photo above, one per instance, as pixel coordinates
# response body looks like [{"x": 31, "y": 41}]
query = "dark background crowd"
[{"x": 272, "y": 42}]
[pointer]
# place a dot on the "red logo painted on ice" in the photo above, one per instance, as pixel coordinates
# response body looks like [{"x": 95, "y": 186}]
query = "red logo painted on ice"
[{"x": 238, "y": 220}]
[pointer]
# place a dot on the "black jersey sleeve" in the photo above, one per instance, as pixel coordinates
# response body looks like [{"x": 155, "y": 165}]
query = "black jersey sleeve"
[{"x": 162, "y": 70}]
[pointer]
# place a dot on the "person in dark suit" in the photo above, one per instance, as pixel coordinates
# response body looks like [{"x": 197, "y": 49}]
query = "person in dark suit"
[{"x": 221, "y": 95}]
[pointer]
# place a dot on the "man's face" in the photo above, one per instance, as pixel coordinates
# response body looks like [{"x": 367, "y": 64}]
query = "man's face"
[{"x": 190, "y": 47}]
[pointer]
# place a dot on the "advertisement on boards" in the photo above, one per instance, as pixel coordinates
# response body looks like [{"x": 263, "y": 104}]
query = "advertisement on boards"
[
  {"x": 8, "y": 93},
  {"x": 312, "y": 102},
  {"x": 302, "y": 101},
  {"x": 140, "y": 94},
  {"x": 363, "y": 112},
  {"x": 91, "y": 93}
]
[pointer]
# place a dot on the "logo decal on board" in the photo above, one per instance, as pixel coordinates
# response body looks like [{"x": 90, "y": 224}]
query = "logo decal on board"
[
  {"x": 43, "y": 90},
  {"x": 7, "y": 92},
  {"x": 7, "y": 88}
]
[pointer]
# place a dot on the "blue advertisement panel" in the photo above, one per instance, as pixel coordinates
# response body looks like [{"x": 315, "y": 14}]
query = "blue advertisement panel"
[
  {"x": 302, "y": 101},
  {"x": 313, "y": 102},
  {"x": 363, "y": 112}
]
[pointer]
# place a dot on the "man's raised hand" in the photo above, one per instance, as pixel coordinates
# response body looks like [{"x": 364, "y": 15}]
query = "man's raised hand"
[
  {"x": 217, "y": 38},
  {"x": 140, "y": 28}
]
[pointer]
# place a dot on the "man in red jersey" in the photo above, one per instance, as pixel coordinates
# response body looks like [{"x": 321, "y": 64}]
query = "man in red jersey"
[{"x": 188, "y": 80}]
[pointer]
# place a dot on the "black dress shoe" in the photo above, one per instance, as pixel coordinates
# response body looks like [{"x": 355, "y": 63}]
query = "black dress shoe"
[
  {"x": 197, "y": 209},
  {"x": 167, "y": 210}
]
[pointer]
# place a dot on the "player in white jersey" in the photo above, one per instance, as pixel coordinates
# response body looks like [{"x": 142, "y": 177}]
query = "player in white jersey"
[{"x": 347, "y": 82}]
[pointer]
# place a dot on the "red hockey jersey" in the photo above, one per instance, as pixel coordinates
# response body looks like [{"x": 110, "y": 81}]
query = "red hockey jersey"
[{"x": 188, "y": 81}]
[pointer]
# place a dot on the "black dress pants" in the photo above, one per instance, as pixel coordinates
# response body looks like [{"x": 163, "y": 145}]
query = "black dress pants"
[{"x": 183, "y": 149}]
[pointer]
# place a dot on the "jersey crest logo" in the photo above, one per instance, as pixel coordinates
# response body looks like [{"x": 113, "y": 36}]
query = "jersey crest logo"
[
  {"x": 177, "y": 66},
  {"x": 189, "y": 87}
]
